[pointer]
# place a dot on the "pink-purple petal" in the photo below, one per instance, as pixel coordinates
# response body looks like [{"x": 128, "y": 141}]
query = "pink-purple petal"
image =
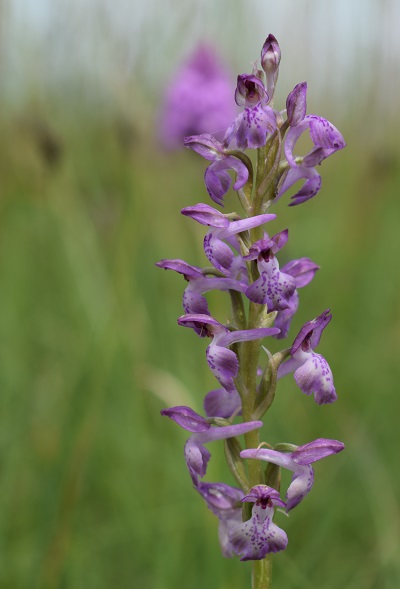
[
  {"x": 310, "y": 334},
  {"x": 316, "y": 450},
  {"x": 296, "y": 104},
  {"x": 220, "y": 403},
  {"x": 193, "y": 302},
  {"x": 253, "y": 126},
  {"x": 249, "y": 90},
  {"x": 219, "y": 254},
  {"x": 217, "y": 181},
  {"x": 224, "y": 365},
  {"x": 245, "y": 335},
  {"x": 181, "y": 267},
  {"x": 187, "y": 418},
  {"x": 259, "y": 536},
  {"x": 206, "y": 215},
  {"x": 284, "y": 318},
  {"x": 223, "y": 501},
  {"x": 308, "y": 190},
  {"x": 273, "y": 288},
  {"x": 205, "y": 145},
  {"x": 324, "y": 134},
  {"x": 315, "y": 377},
  {"x": 302, "y": 482},
  {"x": 302, "y": 270}
]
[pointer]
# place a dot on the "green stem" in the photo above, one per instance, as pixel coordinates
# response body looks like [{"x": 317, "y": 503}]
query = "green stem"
[
  {"x": 262, "y": 573},
  {"x": 249, "y": 357}
]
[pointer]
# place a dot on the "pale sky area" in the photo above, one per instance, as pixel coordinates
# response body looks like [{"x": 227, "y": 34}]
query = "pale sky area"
[{"x": 333, "y": 45}]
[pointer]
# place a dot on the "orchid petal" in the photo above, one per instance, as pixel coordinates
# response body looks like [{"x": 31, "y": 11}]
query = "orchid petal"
[
  {"x": 222, "y": 500},
  {"x": 296, "y": 104},
  {"x": 181, "y": 267},
  {"x": 315, "y": 376},
  {"x": 220, "y": 403},
  {"x": 302, "y": 270},
  {"x": 310, "y": 334},
  {"x": 224, "y": 365},
  {"x": 284, "y": 317},
  {"x": 205, "y": 145},
  {"x": 258, "y": 536},
  {"x": 309, "y": 189},
  {"x": 206, "y": 215},
  {"x": 187, "y": 418},
  {"x": 273, "y": 288},
  {"x": 302, "y": 482},
  {"x": 316, "y": 450}
]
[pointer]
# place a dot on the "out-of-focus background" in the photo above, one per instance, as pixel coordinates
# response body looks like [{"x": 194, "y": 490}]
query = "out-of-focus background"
[{"x": 94, "y": 490}]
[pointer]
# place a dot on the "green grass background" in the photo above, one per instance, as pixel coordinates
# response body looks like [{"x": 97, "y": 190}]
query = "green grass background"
[{"x": 94, "y": 492}]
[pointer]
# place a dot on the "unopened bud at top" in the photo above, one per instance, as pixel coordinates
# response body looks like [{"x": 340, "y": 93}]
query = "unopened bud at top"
[
  {"x": 270, "y": 55},
  {"x": 270, "y": 58}
]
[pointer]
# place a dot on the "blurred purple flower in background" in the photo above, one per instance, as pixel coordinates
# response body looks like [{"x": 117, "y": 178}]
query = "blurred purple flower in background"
[{"x": 199, "y": 98}]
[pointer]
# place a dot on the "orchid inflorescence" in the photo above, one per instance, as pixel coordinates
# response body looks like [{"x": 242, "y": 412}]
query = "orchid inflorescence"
[{"x": 264, "y": 298}]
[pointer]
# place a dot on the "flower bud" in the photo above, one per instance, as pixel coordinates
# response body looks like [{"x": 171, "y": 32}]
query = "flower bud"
[
  {"x": 270, "y": 59},
  {"x": 296, "y": 104}
]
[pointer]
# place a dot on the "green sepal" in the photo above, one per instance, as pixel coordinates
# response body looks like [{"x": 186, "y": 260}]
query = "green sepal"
[
  {"x": 267, "y": 387},
  {"x": 235, "y": 462},
  {"x": 266, "y": 319},
  {"x": 218, "y": 421},
  {"x": 210, "y": 270},
  {"x": 284, "y": 447}
]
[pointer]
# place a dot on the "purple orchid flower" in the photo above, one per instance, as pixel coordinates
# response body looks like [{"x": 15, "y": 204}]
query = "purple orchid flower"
[
  {"x": 302, "y": 271},
  {"x": 198, "y": 98},
  {"x": 218, "y": 252},
  {"x": 250, "y": 91},
  {"x": 273, "y": 288},
  {"x": 193, "y": 301},
  {"x": 299, "y": 462},
  {"x": 222, "y": 361},
  {"x": 325, "y": 137},
  {"x": 311, "y": 371},
  {"x": 224, "y": 501},
  {"x": 216, "y": 176},
  {"x": 255, "y": 538},
  {"x": 251, "y": 127},
  {"x": 196, "y": 454}
]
